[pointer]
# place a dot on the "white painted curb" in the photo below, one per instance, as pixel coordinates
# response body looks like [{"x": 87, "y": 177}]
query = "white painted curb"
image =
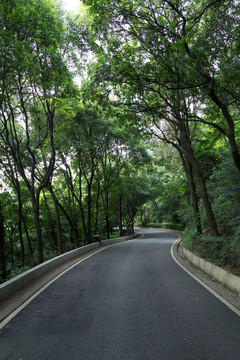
[{"x": 224, "y": 277}]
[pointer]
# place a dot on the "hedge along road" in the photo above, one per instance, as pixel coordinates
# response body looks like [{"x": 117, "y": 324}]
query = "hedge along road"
[{"x": 130, "y": 301}]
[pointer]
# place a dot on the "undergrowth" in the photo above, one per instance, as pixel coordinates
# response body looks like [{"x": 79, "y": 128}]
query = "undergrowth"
[{"x": 222, "y": 251}]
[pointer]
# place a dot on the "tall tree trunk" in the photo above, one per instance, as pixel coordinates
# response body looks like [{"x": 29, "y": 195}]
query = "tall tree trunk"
[
  {"x": 37, "y": 225},
  {"x": 11, "y": 250},
  {"x": 71, "y": 223},
  {"x": 120, "y": 215},
  {"x": 27, "y": 235},
  {"x": 58, "y": 221},
  {"x": 188, "y": 152},
  {"x": 96, "y": 230},
  {"x": 79, "y": 199},
  {"x": 52, "y": 225},
  {"x": 20, "y": 216},
  {"x": 204, "y": 196},
  {"x": 3, "y": 272},
  {"x": 193, "y": 191},
  {"x": 85, "y": 233},
  {"x": 13, "y": 176},
  {"x": 133, "y": 226},
  {"x": 107, "y": 214},
  {"x": 72, "y": 196},
  {"x": 234, "y": 147},
  {"x": 89, "y": 219}
]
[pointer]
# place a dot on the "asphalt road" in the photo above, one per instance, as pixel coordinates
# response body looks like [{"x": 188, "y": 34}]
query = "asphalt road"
[{"x": 130, "y": 301}]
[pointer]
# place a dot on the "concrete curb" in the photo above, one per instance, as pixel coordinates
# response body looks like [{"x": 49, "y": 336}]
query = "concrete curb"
[
  {"x": 11, "y": 286},
  {"x": 227, "y": 279}
]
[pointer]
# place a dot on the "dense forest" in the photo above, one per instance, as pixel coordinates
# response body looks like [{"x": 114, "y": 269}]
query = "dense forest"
[{"x": 123, "y": 113}]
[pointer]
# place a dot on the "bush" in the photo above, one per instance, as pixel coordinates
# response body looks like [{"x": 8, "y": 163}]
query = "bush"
[
  {"x": 214, "y": 249},
  {"x": 189, "y": 238},
  {"x": 219, "y": 250},
  {"x": 155, "y": 225},
  {"x": 166, "y": 225},
  {"x": 17, "y": 271}
]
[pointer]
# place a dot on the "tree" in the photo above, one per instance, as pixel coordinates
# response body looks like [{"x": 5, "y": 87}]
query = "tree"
[
  {"x": 34, "y": 75},
  {"x": 146, "y": 72},
  {"x": 2, "y": 246},
  {"x": 214, "y": 53}
]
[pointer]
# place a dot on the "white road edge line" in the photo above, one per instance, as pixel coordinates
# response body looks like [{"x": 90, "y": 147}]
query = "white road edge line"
[
  {"x": 23, "y": 305},
  {"x": 224, "y": 301}
]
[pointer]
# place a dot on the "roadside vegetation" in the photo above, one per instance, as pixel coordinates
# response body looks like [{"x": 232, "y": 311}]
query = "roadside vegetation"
[{"x": 124, "y": 114}]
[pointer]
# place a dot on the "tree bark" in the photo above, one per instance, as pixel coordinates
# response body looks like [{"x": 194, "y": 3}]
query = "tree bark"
[
  {"x": 96, "y": 230},
  {"x": 58, "y": 221},
  {"x": 188, "y": 152},
  {"x": 20, "y": 216},
  {"x": 193, "y": 191},
  {"x": 38, "y": 229},
  {"x": 3, "y": 272},
  {"x": 89, "y": 219},
  {"x": 79, "y": 199},
  {"x": 106, "y": 210},
  {"x": 120, "y": 215},
  {"x": 71, "y": 223},
  {"x": 27, "y": 235}
]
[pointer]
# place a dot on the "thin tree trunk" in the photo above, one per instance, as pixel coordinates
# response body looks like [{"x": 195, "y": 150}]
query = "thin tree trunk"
[
  {"x": 107, "y": 215},
  {"x": 85, "y": 233},
  {"x": 89, "y": 219},
  {"x": 37, "y": 225},
  {"x": 96, "y": 230},
  {"x": 20, "y": 216},
  {"x": 79, "y": 199},
  {"x": 188, "y": 151},
  {"x": 27, "y": 235},
  {"x": 193, "y": 192},
  {"x": 52, "y": 225},
  {"x": 58, "y": 221},
  {"x": 3, "y": 272},
  {"x": 72, "y": 225},
  {"x": 120, "y": 215},
  {"x": 11, "y": 250}
]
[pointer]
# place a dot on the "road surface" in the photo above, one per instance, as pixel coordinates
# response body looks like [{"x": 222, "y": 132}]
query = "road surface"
[{"x": 130, "y": 301}]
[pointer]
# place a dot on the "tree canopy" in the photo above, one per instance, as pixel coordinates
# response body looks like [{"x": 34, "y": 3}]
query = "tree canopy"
[{"x": 125, "y": 113}]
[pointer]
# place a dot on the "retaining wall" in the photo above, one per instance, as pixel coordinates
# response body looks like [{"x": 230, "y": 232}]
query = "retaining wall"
[{"x": 224, "y": 277}]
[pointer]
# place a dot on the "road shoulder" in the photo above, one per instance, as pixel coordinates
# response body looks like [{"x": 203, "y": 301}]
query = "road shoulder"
[
  {"x": 21, "y": 297},
  {"x": 228, "y": 297},
  {"x": 9, "y": 305}
]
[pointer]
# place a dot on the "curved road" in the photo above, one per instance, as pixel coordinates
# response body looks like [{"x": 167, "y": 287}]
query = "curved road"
[{"x": 130, "y": 301}]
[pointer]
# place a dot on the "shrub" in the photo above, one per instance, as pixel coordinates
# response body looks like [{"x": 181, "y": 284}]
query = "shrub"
[
  {"x": 220, "y": 250},
  {"x": 214, "y": 249},
  {"x": 166, "y": 225},
  {"x": 189, "y": 237}
]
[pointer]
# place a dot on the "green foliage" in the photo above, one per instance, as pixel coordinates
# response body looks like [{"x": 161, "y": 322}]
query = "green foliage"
[
  {"x": 17, "y": 271},
  {"x": 190, "y": 237},
  {"x": 225, "y": 190},
  {"x": 159, "y": 81},
  {"x": 166, "y": 225},
  {"x": 222, "y": 251}
]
